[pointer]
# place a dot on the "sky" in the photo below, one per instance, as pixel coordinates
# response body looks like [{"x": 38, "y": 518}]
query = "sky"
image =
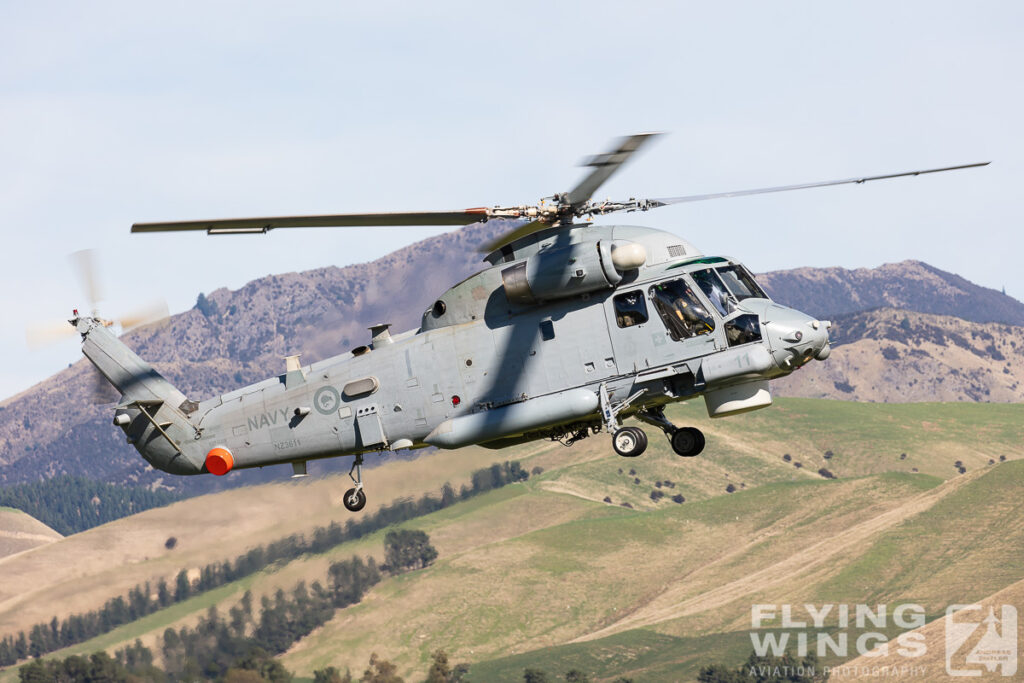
[{"x": 117, "y": 112}]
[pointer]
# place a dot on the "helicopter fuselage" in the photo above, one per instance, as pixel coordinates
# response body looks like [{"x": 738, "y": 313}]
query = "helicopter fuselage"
[{"x": 538, "y": 345}]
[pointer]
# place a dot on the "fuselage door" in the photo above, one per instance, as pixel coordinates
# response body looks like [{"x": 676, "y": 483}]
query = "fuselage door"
[
  {"x": 635, "y": 340},
  {"x": 688, "y": 328}
]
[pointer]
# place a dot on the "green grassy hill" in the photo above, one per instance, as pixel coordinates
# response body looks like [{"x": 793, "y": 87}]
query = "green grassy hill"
[{"x": 546, "y": 574}]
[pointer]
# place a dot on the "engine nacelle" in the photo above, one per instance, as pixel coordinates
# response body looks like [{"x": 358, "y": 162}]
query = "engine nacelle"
[{"x": 567, "y": 271}]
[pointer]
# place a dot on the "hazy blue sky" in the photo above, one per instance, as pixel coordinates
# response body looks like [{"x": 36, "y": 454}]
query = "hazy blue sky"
[{"x": 114, "y": 112}]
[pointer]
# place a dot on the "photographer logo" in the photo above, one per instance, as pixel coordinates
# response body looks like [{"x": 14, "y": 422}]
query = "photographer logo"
[{"x": 980, "y": 640}]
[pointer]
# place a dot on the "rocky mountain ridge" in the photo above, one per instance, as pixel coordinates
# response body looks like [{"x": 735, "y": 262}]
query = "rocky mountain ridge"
[{"x": 232, "y": 338}]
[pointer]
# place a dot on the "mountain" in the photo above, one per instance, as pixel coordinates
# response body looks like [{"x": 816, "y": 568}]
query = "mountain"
[
  {"x": 546, "y": 574},
  {"x": 909, "y": 285},
  {"x": 232, "y": 338},
  {"x": 891, "y": 355}
]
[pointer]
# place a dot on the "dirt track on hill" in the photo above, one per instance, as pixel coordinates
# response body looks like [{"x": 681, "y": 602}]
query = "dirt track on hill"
[{"x": 816, "y": 559}]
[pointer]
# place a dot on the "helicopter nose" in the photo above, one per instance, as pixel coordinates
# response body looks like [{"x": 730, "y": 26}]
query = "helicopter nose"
[{"x": 796, "y": 338}]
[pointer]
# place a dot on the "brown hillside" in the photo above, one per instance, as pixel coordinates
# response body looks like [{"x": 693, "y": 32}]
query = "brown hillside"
[
  {"x": 20, "y": 532},
  {"x": 894, "y": 356},
  {"x": 931, "y": 666}
]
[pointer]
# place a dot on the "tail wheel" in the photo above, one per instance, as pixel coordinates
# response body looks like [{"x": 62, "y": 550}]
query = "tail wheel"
[
  {"x": 354, "y": 500},
  {"x": 687, "y": 441},
  {"x": 629, "y": 442}
]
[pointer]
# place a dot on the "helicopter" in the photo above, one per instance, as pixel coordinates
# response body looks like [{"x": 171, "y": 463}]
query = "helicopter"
[{"x": 570, "y": 329}]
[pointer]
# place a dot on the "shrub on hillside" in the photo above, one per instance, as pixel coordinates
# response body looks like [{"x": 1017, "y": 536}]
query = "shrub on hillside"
[
  {"x": 844, "y": 387},
  {"x": 408, "y": 549}
]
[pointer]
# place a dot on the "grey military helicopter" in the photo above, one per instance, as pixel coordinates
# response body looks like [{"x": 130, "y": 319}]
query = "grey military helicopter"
[{"x": 570, "y": 329}]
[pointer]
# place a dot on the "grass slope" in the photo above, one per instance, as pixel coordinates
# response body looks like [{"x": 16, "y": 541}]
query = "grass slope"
[
  {"x": 20, "y": 531},
  {"x": 544, "y": 572}
]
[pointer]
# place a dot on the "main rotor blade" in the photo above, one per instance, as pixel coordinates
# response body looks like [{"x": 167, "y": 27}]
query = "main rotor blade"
[
  {"x": 511, "y": 236},
  {"x": 605, "y": 165},
  {"x": 653, "y": 203},
  {"x": 229, "y": 226}
]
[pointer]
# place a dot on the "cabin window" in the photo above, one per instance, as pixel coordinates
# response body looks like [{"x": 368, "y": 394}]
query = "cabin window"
[
  {"x": 743, "y": 329},
  {"x": 680, "y": 309},
  {"x": 547, "y": 330},
  {"x": 630, "y": 309},
  {"x": 360, "y": 387}
]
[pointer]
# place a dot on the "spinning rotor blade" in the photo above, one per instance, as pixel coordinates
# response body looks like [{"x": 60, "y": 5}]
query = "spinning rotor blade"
[
  {"x": 241, "y": 226},
  {"x": 654, "y": 203},
  {"x": 155, "y": 312},
  {"x": 38, "y": 336},
  {"x": 605, "y": 165},
  {"x": 84, "y": 262}
]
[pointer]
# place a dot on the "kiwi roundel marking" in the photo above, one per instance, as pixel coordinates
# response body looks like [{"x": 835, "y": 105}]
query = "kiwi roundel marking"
[{"x": 326, "y": 400}]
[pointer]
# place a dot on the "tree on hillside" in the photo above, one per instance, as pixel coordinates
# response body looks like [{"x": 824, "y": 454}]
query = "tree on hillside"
[
  {"x": 407, "y": 549},
  {"x": 439, "y": 668},
  {"x": 535, "y": 676},
  {"x": 331, "y": 675},
  {"x": 182, "y": 586},
  {"x": 381, "y": 671}
]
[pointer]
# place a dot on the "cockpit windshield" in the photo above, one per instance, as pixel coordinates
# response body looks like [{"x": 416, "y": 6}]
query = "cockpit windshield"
[
  {"x": 741, "y": 283},
  {"x": 714, "y": 289},
  {"x": 727, "y": 286},
  {"x": 680, "y": 309}
]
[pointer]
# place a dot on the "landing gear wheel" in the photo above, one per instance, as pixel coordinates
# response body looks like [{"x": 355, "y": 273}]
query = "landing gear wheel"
[
  {"x": 354, "y": 500},
  {"x": 629, "y": 442},
  {"x": 687, "y": 441}
]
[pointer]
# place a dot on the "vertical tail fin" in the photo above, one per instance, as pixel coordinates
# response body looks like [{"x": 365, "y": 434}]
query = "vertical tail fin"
[
  {"x": 133, "y": 377},
  {"x": 153, "y": 414}
]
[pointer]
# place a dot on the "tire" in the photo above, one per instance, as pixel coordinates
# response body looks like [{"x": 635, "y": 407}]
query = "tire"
[
  {"x": 354, "y": 500},
  {"x": 629, "y": 442},
  {"x": 688, "y": 442}
]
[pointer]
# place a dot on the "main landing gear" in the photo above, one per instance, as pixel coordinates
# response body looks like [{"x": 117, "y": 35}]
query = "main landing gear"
[
  {"x": 686, "y": 441},
  {"x": 630, "y": 442},
  {"x": 355, "y": 498}
]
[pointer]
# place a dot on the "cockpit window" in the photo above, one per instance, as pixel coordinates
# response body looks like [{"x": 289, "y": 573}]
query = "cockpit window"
[
  {"x": 630, "y": 308},
  {"x": 741, "y": 283},
  {"x": 714, "y": 289},
  {"x": 680, "y": 309}
]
